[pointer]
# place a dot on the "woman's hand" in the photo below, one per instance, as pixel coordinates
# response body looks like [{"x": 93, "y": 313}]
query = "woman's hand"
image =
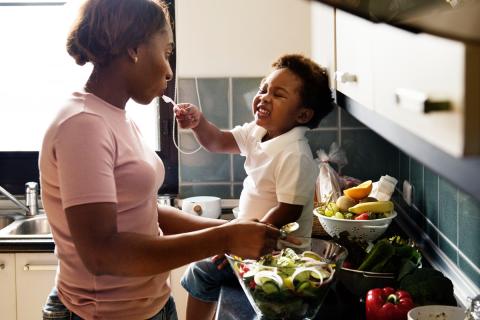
[
  {"x": 188, "y": 115},
  {"x": 250, "y": 239}
]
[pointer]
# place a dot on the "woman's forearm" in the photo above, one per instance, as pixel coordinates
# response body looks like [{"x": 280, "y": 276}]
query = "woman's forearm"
[
  {"x": 131, "y": 254},
  {"x": 173, "y": 221}
]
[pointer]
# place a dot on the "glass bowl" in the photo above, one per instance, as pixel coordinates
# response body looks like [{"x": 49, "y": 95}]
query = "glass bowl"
[{"x": 291, "y": 283}]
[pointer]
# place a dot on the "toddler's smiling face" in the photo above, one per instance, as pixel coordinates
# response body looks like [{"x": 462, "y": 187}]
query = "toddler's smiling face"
[{"x": 278, "y": 103}]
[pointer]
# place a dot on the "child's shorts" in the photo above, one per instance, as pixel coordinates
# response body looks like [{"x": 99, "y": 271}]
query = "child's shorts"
[{"x": 203, "y": 280}]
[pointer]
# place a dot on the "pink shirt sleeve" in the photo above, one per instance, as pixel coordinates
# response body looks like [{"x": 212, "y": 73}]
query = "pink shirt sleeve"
[{"x": 85, "y": 152}]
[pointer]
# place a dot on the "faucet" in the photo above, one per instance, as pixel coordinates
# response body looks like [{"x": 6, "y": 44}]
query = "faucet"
[{"x": 30, "y": 207}]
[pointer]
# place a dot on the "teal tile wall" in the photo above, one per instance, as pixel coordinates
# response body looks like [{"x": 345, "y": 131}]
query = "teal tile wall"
[
  {"x": 450, "y": 217},
  {"x": 226, "y": 103}
]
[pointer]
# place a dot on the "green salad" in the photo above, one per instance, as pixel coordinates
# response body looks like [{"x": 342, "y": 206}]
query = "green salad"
[{"x": 286, "y": 285}]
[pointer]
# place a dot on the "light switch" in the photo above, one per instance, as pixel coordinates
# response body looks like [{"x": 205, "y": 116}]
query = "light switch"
[{"x": 407, "y": 192}]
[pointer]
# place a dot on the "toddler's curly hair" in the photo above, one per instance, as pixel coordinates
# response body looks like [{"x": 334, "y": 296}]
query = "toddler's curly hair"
[{"x": 315, "y": 93}]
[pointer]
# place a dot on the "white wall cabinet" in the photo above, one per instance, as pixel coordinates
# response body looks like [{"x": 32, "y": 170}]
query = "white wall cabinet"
[
  {"x": 7, "y": 286},
  {"x": 412, "y": 71},
  {"x": 354, "y": 57},
  {"x": 399, "y": 74},
  {"x": 323, "y": 27},
  {"x": 26, "y": 280}
]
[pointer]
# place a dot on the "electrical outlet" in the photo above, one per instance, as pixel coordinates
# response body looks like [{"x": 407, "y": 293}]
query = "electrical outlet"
[{"x": 407, "y": 192}]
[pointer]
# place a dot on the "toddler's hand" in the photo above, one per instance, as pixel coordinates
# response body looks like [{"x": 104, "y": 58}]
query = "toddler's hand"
[
  {"x": 188, "y": 115},
  {"x": 220, "y": 261}
]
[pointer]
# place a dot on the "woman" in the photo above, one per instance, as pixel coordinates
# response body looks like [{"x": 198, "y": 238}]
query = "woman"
[{"x": 99, "y": 180}]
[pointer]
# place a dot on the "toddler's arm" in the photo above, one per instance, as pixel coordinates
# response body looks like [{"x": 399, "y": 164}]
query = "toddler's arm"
[
  {"x": 282, "y": 214},
  {"x": 210, "y": 137}
]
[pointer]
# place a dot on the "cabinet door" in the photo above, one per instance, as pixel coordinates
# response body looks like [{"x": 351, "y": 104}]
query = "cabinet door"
[
  {"x": 411, "y": 68},
  {"x": 35, "y": 277},
  {"x": 7, "y": 285},
  {"x": 178, "y": 292},
  {"x": 354, "y": 57},
  {"x": 323, "y": 38}
]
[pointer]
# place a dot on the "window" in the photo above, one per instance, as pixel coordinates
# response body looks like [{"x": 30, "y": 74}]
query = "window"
[{"x": 37, "y": 74}]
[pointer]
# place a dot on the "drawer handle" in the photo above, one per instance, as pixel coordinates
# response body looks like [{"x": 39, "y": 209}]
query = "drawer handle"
[
  {"x": 2, "y": 266},
  {"x": 345, "y": 77},
  {"x": 419, "y": 101},
  {"x": 40, "y": 267}
]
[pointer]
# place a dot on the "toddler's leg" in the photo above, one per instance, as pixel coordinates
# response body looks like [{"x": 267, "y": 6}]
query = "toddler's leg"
[
  {"x": 200, "y": 310},
  {"x": 203, "y": 282}
]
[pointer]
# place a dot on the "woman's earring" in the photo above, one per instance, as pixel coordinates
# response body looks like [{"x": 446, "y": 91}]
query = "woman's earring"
[{"x": 135, "y": 59}]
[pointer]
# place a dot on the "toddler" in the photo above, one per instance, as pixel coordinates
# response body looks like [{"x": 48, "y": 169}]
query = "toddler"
[{"x": 281, "y": 171}]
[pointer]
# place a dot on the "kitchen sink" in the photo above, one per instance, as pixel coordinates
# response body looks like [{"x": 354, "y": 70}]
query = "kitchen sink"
[
  {"x": 26, "y": 227},
  {"x": 5, "y": 221},
  {"x": 32, "y": 226}
]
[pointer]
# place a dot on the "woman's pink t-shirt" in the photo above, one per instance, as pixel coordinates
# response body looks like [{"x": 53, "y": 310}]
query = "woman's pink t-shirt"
[{"x": 92, "y": 152}]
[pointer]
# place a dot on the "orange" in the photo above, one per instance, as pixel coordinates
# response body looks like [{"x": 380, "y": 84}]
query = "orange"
[{"x": 359, "y": 192}]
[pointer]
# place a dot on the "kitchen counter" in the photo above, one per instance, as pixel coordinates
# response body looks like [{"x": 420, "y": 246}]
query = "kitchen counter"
[
  {"x": 26, "y": 245},
  {"x": 339, "y": 304}
]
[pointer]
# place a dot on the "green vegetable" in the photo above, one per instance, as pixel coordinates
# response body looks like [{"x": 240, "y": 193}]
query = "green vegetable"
[
  {"x": 428, "y": 286},
  {"x": 270, "y": 287},
  {"x": 381, "y": 252}
]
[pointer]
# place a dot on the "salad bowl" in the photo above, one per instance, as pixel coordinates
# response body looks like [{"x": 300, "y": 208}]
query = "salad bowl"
[{"x": 290, "y": 283}]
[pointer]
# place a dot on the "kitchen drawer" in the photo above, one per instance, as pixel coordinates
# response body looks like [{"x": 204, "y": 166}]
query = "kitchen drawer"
[
  {"x": 410, "y": 68},
  {"x": 7, "y": 284},
  {"x": 354, "y": 57}
]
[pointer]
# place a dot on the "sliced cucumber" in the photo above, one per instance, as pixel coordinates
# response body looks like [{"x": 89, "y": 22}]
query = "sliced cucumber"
[
  {"x": 303, "y": 286},
  {"x": 270, "y": 287}
]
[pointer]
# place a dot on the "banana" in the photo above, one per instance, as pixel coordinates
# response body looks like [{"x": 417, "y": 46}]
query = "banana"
[{"x": 377, "y": 206}]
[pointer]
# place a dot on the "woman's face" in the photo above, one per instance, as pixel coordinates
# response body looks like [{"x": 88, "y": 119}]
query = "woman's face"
[{"x": 152, "y": 69}]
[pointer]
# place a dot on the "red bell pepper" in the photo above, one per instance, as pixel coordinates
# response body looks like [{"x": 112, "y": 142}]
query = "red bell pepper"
[{"x": 388, "y": 304}]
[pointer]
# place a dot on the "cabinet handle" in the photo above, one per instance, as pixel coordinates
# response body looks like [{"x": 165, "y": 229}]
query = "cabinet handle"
[
  {"x": 40, "y": 267},
  {"x": 345, "y": 77},
  {"x": 419, "y": 101},
  {"x": 2, "y": 266}
]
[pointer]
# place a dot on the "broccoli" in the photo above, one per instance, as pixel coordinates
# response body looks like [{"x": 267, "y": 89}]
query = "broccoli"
[{"x": 429, "y": 286}]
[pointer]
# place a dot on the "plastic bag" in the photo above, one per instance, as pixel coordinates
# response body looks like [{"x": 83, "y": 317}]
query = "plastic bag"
[{"x": 329, "y": 184}]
